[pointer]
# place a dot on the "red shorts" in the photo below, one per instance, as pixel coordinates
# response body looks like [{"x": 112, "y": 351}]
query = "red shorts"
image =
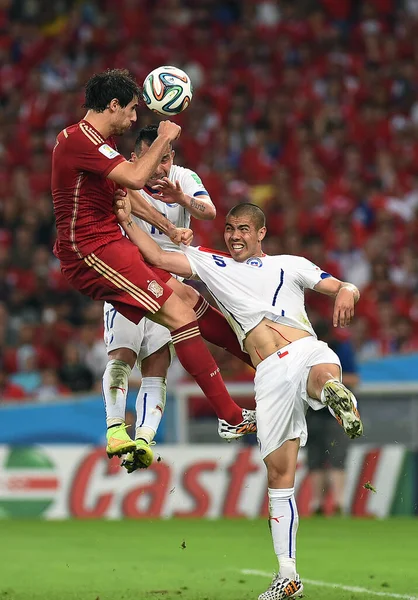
[{"x": 118, "y": 274}]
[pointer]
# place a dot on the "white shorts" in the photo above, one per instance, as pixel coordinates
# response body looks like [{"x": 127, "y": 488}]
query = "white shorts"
[
  {"x": 280, "y": 392},
  {"x": 144, "y": 339}
]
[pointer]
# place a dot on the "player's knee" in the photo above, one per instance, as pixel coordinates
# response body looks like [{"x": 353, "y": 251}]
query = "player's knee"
[
  {"x": 125, "y": 355},
  {"x": 187, "y": 294},
  {"x": 175, "y": 313},
  {"x": 189, "y": 315},
  {"x": 281, "y": 465},
  {"x": 182, "y": 316},
  {"x": 280, "y": 476},
  {"x": 191, "y": 296},
  {"x": 318, "y": 377},
  {"x": 156, "y": 364}
]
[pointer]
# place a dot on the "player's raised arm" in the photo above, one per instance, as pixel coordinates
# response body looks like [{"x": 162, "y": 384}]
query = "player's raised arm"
[
  {"x": 145, "y": 211},
  {"x": 174, "y": 262},
  {"x": 134, "y": 175},
  {"x": 346, "y": 296},
  {"x": 200, "y": 207}
]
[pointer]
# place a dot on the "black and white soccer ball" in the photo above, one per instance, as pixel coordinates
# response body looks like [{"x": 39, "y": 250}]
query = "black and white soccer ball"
[{"x": 167, "y": 90}]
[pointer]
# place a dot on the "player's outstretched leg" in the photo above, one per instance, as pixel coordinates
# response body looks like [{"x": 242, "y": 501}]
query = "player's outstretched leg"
[
  {"x": 196, "y": 359},
  {"x": 282, "y": 588},
  {"x": 232, "y": 432},
  {"x": 283, "y": 513},
  {"x": 150, "y": 404},
  {"x": 215, "y": 329},
  {"x": 115, "y": 388},
  {"x": 343, "y": 405}
]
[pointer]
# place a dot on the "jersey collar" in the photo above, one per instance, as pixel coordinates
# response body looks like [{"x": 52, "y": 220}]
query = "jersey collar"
[
  {"x": 93, "y": 128},
  {"x": 151, "y": 190}
]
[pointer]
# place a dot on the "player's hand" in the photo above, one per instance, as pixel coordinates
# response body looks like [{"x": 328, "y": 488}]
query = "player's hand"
[
  {"x": 181, "y": 235},
  {"x": 343, "y": 308},
  {"x": 122, "y": 206},
  {"x": 169, "y": 129},
  {"x": 187, "y": 237},
  {"x": 169, "y": 192}
]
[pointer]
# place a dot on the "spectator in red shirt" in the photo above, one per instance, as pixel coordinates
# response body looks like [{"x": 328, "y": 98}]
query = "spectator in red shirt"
[{"x": 10, "y": 392}]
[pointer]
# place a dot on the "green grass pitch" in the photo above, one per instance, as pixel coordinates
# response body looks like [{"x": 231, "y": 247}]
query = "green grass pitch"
[{"x": 202, "y": 560}]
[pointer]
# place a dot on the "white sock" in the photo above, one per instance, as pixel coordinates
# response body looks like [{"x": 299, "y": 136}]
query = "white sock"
[
  {"x": 150, "y": 405},
  {"x": 284, "y": 521},
  {"x": 115, "y": 389}
]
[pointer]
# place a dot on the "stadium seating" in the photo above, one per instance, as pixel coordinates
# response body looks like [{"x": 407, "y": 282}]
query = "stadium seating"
[{"x": 308, "y": 109}]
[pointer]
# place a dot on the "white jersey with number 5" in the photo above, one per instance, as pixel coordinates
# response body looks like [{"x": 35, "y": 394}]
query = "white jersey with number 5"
[
  {"x": 269, "y": 287},
  {"x": 191, "y": 185}
]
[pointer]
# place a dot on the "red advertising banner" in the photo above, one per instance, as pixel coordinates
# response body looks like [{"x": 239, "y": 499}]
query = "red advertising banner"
[{"x": 208, "y": 481}]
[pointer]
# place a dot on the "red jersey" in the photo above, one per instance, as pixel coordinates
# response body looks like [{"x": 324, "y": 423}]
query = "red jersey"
[{"x": 82, "y": 194}]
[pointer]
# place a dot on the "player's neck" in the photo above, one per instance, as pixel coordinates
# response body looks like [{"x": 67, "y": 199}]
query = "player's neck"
[
  {"x": 100, "y": 122},
  {"x": 258, "y": 253}
]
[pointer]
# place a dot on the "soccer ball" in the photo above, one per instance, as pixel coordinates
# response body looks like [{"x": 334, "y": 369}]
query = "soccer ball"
[{"x": 167, "y": 90}]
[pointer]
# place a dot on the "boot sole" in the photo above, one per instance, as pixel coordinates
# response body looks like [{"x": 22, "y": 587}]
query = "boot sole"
[
  {"x": 134, "y": 461},
  {"x": 297, "y": 594},
  {"x": 340, "y": 399}
]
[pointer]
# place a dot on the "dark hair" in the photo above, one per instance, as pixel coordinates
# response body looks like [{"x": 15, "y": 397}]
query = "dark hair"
[
  {"x": 147, "y": 135},
  {"x": 103, "y": 87},
  {"x": 251, "y": 210}
]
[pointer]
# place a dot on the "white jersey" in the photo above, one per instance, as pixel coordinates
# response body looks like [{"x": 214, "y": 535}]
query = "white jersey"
[
  {"x": 269, "y": 287},
  {"x": 192, "y": 186}
]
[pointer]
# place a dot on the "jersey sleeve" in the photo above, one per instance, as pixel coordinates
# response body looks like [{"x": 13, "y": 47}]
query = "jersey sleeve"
[
  {"x": 307, "y": 274},
  {"x": 93, "y": 156},
  {"x": 191, "y": 184},
  {"x": 192, "y": 255}
]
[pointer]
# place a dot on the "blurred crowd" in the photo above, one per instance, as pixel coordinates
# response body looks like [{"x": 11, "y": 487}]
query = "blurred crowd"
[{"x": 306, "y": 108}]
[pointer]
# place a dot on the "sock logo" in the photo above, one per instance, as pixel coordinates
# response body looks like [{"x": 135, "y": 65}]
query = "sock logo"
[
  {"x": 215, "y": 372},
  {"x": 277, "y": 519},
  {"x": 116, "y": 387}
]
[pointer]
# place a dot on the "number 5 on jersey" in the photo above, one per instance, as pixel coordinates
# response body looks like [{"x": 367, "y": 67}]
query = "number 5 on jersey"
[{"x": 219, "y": 261}]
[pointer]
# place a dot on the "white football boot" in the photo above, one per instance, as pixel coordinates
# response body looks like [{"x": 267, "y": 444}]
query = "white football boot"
[
  {"x": 282, "y": 588},
  {"x": 233, "y": 432}
]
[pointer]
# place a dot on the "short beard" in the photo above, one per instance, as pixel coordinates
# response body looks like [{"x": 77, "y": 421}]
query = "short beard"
[{"x": 119, "y": 130}]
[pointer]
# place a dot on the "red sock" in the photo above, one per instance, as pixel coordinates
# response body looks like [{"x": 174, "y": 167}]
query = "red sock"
[
  {"x": 199, "y": 363},
  {"x": 215, "y": 329}
]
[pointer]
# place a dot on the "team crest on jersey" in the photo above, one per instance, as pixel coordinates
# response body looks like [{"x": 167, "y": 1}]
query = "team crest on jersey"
[
  {"x": 155, "y": 288},
  {"x": 255, "y": 262}
]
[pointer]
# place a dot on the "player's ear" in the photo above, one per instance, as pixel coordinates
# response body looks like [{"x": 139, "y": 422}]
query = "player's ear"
[
  {"x": 173, "y": 154},
  {"x": 114, "y": 104},
  {"x": 133, "y": 157},
  {"x": 262, "y": 233}
]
